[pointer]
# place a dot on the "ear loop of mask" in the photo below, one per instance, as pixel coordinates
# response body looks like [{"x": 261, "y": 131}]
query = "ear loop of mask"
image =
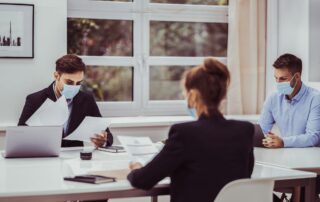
[{"x": 295, "y": 82}]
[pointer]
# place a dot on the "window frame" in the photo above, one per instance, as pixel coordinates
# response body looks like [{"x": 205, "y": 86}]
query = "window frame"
[{"x": 141, "y": 12}]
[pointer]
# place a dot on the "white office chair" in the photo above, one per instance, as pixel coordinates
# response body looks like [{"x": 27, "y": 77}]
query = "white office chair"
[{"x": 248, "y": 190}]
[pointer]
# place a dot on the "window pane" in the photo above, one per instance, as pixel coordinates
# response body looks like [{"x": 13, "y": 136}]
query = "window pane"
[
  {"x": 96, "y": 37},
  {"x": 165, "y": 82},
  {"x": 188, "y": 39},
  {"x": 204, "y": 2},
  {"x": 109, "y": 83}
]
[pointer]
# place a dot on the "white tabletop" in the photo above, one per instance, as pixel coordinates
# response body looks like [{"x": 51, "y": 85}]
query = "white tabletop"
[
  {"x": 295, "y": 158},
  {"x": 44, "y": 176},
  {"x": 262, "y": 171}
]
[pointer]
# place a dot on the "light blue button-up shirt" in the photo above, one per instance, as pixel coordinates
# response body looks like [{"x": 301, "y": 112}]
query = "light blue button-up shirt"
[{"x": 298, "y": 120}]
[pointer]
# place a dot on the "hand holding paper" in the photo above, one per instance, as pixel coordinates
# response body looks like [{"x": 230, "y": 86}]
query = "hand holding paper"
[
  {"x": 99, "y": 139},
  {"x": 88, "y": 127}
]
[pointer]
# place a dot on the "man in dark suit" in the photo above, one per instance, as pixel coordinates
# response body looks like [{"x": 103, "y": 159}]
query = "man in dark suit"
[{"x": 68, "y": 77}]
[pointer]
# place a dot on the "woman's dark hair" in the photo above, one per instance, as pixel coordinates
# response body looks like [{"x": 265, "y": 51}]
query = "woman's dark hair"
[
  {"x": 211, "y": 80},
  {"x": 70, "y": 64},
  {"x": 289, "y": 61}
]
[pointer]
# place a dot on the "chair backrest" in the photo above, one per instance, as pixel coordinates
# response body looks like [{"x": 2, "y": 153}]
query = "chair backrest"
[{"x": 248, "y": 190}]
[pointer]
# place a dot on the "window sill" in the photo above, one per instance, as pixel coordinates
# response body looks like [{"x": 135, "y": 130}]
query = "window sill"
[{"x": 152, "y": 121}]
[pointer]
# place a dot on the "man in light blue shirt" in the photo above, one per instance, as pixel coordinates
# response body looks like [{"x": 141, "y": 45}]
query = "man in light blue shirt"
[{"x": 294, "y": 108}]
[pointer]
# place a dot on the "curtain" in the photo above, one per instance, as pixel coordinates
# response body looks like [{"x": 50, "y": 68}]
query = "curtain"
[{"x": 246, "y": 56}]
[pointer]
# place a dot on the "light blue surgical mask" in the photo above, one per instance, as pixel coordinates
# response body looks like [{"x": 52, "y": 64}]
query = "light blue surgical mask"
[
  {"x": 191, "y": 110},
  {"x": 70, "y": 91},
  {"x": 285, "y": 87}
]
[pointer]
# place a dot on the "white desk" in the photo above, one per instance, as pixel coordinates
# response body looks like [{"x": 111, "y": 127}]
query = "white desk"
[
  {"x": 41, "y": 179},
  {"x": 307, "y": 159},
  {"x": 304, "y": 159}
]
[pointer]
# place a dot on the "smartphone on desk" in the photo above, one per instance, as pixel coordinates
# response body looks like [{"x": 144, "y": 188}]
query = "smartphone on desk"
[
  {"x": 112, "y": 149},
  {"x": 93, "y": 179}
]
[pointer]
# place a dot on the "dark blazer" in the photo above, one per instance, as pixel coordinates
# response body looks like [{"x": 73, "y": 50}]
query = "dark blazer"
[
  {"x": 83, "y": 105},
  {"x": 200, "y": 157}
]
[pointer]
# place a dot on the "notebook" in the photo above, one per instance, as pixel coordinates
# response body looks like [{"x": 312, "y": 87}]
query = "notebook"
[{"x": 93, "y": 179}]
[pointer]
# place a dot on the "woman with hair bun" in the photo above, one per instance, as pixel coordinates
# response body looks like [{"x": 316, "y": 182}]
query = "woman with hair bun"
[{"x": 201, "y": 156}]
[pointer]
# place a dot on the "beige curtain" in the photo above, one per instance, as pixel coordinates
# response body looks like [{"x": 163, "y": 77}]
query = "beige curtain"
[{"x": 246, "y": 56}]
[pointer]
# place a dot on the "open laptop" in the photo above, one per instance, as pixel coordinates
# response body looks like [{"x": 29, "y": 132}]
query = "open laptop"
[
  {"x": 32, "y": 141},
  {"x": 258, "y": 136}
]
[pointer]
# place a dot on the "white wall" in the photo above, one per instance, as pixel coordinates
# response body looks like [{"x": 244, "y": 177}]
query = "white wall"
[
  {"x": 20, "y": 77},
  {"x": 294, "y": 29},
  {"x": 293, "y": 26},
  {"x": 314, "y": 59},
  {"x": 288, "y": 32}
]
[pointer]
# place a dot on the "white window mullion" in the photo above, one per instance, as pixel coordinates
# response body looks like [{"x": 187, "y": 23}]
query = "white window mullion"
[
  {"x": 108, "y": 60},
  {"x": 100, "y": 15},
  {"x": 153, "y": 60},
  {"x": 145, "y": 56},
  {"x": 138, "y": 52},
  {"x": 178, "y": 17},
  {"x": 188, "y": 10},
  {"x": 97, "y": 6}
]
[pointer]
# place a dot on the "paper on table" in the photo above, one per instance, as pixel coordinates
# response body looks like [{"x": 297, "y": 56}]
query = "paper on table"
[
  {"x": 50, "y": 113},
  {"x": 141, "y": 149},
  {"x": 88, "y": 127}
]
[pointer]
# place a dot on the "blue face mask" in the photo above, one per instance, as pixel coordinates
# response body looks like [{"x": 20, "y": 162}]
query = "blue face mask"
[
  {"x": 285, "y": 87},
  {"x": 69, "y": 91},
  {"x": 191, "y": 111}
]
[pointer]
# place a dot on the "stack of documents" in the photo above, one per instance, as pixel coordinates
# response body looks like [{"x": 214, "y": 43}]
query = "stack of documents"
[{"x": 141, "y": 149}]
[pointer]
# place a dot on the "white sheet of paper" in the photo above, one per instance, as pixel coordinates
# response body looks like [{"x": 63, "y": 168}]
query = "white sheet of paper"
[
  {"x": 141, "y": 149},
  {"x": 88, "y": 127},
  {"x": 50, "y": 113}
]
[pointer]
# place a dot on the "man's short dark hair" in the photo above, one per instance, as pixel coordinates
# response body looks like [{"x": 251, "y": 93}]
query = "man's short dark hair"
[
  {"x": 70, "y": 64},
  {"x": 289, "y": 61}
]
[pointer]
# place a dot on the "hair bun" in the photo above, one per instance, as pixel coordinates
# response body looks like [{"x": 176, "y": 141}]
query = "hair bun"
[{"x": 214, "y": 67}]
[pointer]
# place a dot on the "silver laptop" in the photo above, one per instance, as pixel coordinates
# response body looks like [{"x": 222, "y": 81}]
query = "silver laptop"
[{"x": 32, "y": 141}]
